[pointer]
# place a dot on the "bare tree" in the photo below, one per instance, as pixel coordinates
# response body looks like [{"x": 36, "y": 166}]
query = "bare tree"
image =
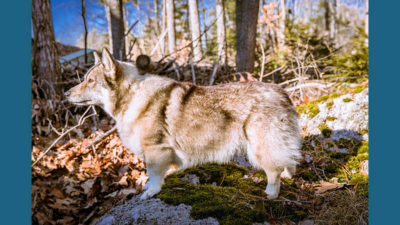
[
  {"x": 84, "y": 27},
  {"x": 220, "y": 13},
  {"x": 116, "y": 28},
  {"x": 44, "y": 50},
  {"x": 330, "y": 20},
  {"x": 366, "y": 16},
  {"x": 163, "y": 20},
  {"x": 157, "y": 17},
  {"x": 246, "y": 27},
  {"x": 195, "y": 29},
  {"x": 170, "y": 25},
  {"x": 280, "y": 34},
  {"x": 204, "y": 22}
]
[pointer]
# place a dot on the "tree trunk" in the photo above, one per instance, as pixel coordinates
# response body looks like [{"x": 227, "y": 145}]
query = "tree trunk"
[
  {"x": 366, "y": 17},
  {"x": 85, "y": 28},
  {"x": 116, "y": 28},
  {"x": 195, "y": 29},
  {"x": 204, "y": 23},
  {"x": 332, "y": 27},
  {"x": 164, "y": 15},
  {"x": 157, "y": 17},
  {"x": 220, "y": 14},
  {"x": 44, "y": 50},
  {"x": 280, "y": 34},
  {"x": 170, "y": 25},
  {"x": 246, "y": 27}
]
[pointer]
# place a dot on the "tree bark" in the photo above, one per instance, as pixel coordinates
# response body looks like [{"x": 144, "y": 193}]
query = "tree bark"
[
  {"x": 164, "y": 15},
  {"x": 157, "y": 17},
  {"x": 220, "y": 13},
  {"x": 281, "y": 29},
  {"x": 170, "y": 25},
  {"x": 195, "y": 29},
  {"x": 116, "y": 28},
  {"x": 366, "y": 17},
  {"x": 44, "y": 50},
  {"x": 204, "y": 23},
  {"x": 85, "y": 28},
  {"x": 246, "y": 27}
]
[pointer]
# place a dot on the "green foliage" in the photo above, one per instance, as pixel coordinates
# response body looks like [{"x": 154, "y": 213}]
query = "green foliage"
[{"x": 353, "y": 66}]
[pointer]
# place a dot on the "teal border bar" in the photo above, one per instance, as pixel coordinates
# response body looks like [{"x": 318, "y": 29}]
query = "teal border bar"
[
  {"x": 384, "y": 111},
  {"x": 15, "y": 92}
]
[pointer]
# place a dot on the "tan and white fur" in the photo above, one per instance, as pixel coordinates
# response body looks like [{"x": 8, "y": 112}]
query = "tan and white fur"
[{"x": 175, "y": 123}]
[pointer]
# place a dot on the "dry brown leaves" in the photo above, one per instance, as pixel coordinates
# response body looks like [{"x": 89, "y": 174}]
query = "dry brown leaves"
[{"x": 74, "y": 184}]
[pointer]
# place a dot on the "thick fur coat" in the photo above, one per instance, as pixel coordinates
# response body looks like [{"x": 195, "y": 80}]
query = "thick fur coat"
[{"x": 174, "y": 123}]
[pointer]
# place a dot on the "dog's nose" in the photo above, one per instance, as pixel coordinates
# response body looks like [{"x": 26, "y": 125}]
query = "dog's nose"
[{"x": 67, "y": 93}]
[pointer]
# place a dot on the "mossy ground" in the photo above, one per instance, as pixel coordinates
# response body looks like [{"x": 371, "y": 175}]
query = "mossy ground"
[
  {"x": 235, "y": 195},
  {"x": 226, "y": 194}
]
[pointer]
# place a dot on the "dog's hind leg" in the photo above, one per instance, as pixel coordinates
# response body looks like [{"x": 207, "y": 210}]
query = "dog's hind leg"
[{"x": 158, "y": 162}]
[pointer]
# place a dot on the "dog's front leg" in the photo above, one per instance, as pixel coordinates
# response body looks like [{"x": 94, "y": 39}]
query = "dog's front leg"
[{"x": 158, "y": 162}]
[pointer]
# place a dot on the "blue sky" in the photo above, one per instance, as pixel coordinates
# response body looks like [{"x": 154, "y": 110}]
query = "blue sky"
[{"x": 68, "y": 23}]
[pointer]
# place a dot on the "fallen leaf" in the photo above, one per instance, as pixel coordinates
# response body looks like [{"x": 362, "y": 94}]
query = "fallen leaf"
[{"x": 326, "y": 186}]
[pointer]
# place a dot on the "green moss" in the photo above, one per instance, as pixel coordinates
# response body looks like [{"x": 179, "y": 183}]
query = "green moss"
[
  {"x": 334, "y": 95},
  {"x": 347, "y": 100},
  {"x": 233, "y": 200},
  {"x": 329, "y": 104},
  {"x": 362, "y": 157},
  {"x": 363, "y": 148},
  {"x": 321, "y": 99},
  {"x": 311, "y": 110},
  {"x": 359, "y": 89},
  {"x": 325, "y": 130},
  {"x": 331, "y": 118},
  {"x": 360, "y": 182}
]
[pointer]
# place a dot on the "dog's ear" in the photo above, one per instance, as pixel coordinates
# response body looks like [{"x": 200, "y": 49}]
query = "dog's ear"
[
  {"x": 110, "y": 65},
  {"x": 143, "y": 63},
  {"x": 96, "y": 58}
]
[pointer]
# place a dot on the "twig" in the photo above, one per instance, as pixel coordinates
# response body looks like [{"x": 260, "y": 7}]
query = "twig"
[
  {"x": 214, "y": 73},
  {"x": 263, "y": 61},
  {"x": 130, "y": 28},
  {"x": 101, "y": 137},
  {"x": 158, "y": 42},
  {"x": 317, "y": 85},
  {"x": 190, "y": 43},
  {"x": 272, "y": 72},
  {"x": 193, "y": 74},
  {"x": 177, "y": 71},
  {"x": 81, "y": 120}
]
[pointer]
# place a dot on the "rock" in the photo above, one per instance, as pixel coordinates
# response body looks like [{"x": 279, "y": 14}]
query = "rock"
[
  {"x": 348, "y": 116},
  {"x": 364, "y": 167},
  {"x": 191, "y": 178},
  {"x": 306, "y": 222},
  {"x": 151, "y": 211}
]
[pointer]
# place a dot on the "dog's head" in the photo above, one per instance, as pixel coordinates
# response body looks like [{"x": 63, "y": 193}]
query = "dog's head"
[{"x": 107, "y": 80}]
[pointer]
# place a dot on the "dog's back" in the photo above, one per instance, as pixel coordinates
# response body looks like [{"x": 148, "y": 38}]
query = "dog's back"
[{"x": 209, "y": 124}]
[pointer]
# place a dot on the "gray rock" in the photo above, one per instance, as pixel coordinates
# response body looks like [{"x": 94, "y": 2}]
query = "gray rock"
[
  {"x": 151, "y": 211},
  {"x": 351, "y": 117}
]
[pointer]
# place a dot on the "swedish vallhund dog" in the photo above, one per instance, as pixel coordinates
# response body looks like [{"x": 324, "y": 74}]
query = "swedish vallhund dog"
[{"x": 167, "y": 122}]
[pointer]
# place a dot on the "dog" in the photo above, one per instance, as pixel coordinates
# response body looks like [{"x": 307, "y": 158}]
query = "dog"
[{"x": 178, "y": 123}]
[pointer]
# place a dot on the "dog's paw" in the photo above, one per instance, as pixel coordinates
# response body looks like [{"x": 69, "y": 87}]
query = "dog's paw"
[
  {"x": 272, "y": 192},
  {"x": 148, "y": 194},
  {"x": 272, "y": 196}
]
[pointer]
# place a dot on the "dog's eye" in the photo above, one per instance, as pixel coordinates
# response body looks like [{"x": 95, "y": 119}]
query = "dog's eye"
[{"x": 90, "y": 80}]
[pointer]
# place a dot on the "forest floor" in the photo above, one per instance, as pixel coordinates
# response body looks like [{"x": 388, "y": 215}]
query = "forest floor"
[{"x": 76, "y": 183}]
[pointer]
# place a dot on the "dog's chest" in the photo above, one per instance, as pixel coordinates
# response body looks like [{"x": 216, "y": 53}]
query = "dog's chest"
[{"x": 131, "y": 139}]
